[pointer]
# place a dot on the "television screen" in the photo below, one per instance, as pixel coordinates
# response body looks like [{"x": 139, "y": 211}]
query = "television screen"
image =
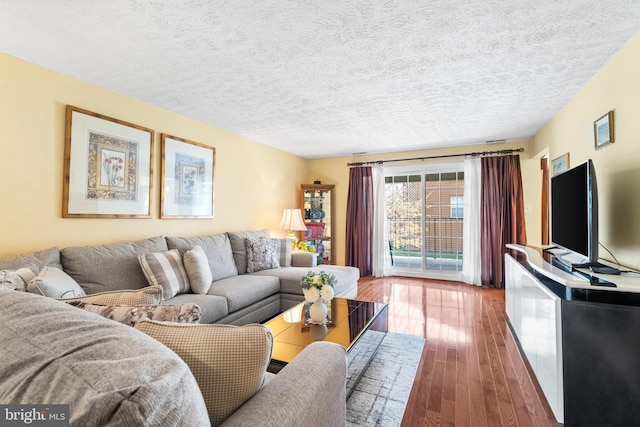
[{"x": 574, "y": 211}]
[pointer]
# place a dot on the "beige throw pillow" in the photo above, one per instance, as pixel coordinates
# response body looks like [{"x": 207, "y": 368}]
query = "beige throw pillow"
[
  {"x": 228, "y": 362},
  {"x": 151, "y": 295},
  {"x": 197, "y": 265},
  {"x": 165, "y": 269},
  {"x": 53, "y": 282}
]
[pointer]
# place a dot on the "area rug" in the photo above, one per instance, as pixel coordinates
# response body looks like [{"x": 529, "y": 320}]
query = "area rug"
[{"x": 380, "y": 398}]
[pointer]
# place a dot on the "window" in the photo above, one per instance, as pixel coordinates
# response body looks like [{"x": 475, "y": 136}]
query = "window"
[{"x": 457, "y": 207}]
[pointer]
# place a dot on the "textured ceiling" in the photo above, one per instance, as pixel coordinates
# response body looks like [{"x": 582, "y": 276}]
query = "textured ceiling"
[{"x": 324, "y": 78}]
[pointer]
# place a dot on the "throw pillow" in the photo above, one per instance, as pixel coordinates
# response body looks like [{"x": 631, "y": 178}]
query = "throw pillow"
[
  {"x": 228, "y": 362},
  {"x": 181, "y": 313},
  {"x": 262, "y": 254},
  {"x": 197, "y": 265},
  {"x": 151, "y": 295},
  {"x": 284, "y": 254},
  {"x": 165, "y": 269},
  {"x": 9, "y": 280},
  {"x": 16, "y": 280},
  {"x": 53, "y": 282}
]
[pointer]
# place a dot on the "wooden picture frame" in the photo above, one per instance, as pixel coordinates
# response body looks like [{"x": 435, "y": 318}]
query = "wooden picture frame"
[
  {"x": 560, "y": 164},
  {"x": 187, "y": 172},
  {"x": 603, "y": 133},
  {"x": 108, "y": 167}
]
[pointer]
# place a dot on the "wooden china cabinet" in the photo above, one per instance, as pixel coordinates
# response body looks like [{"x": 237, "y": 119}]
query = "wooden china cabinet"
[{"x": 318, "y": 210}]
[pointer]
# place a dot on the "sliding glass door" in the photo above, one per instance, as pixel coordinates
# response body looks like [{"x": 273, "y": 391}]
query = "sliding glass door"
[{"x": 424, "y": 211}]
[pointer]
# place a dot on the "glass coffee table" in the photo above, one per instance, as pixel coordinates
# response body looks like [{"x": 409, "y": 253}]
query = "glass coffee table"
[{"x": 358, "y": 326}]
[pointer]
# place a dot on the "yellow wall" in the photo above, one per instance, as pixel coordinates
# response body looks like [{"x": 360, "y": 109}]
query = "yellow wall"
[
  {"x": 615, "y": 87},
  {"x": 253, "y": 182},
  {"x": 335, "y": 171}
]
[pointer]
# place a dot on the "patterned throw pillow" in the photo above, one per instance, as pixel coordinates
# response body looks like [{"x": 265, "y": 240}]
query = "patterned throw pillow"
[
  {"x": 53, "y": 282},
  {"x": 228, "y": 362},
  {"x": 151, "y": 295},
  {"x": 262, "y": 254},
  {"x": 197, "y": 265},
  {"x": 182, "y": 313},
  {"x": 165, "y": 269},
  {"x": 16, "y": 280}
]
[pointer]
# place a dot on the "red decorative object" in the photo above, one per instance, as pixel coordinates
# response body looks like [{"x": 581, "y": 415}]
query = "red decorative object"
[{"x": 315, "y": 229}]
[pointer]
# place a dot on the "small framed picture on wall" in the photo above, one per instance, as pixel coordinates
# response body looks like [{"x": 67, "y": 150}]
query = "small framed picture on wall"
[
  {"x": 187, "y": 178},
  {"x": 560, "y": 164},
  {"x": 603, "y": 130}
]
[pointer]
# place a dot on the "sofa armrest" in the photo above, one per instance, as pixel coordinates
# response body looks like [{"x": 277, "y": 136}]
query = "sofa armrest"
[
  {"x": 304, "y": 259},
  {"x": 309, "y": 391}
]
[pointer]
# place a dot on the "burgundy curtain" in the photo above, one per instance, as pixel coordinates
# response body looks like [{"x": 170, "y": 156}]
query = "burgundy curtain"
[
  {"x": 502, "y": 215},
  {"x": 359, "y": 241}
]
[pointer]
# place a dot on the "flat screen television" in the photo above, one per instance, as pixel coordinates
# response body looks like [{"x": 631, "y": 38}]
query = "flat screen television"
[{"x": 574, "y": 214}]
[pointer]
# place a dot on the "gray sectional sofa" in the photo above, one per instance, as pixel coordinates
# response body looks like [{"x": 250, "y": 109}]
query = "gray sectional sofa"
[
  {"x": 235, "y": 296},
  {"x": 110, "y": 373}
]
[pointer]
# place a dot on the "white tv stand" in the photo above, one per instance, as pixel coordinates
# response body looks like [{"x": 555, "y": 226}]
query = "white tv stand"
[{"x": 582, "y": 341}]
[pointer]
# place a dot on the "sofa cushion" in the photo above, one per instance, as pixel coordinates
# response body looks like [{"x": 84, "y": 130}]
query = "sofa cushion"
[
  {"x": 262, "y": 254},
  {"x": 150, "y": 295},
  {"x": 109, "y": 373},
  {"x": 198, "y": 270},
  {"x": 130, "y": 315},
  {"x": 165, "y": 269},
  {"x": 239, "y": 248},
  {"x": 217, "y": 248},
  {"x": 229, "y": 362},
  {"x": 244, "y": 290},
  {"x": 113, "y": 267},
  {"x": 212, "y": 308},
  {"x": 35, "y": 261},
  {"x": 55, "y": 283}
]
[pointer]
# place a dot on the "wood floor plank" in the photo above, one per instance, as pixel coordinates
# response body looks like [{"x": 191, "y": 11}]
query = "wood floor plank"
[
  {"x": 471, "y": 372},
  {"x": 463, "y": 412}
]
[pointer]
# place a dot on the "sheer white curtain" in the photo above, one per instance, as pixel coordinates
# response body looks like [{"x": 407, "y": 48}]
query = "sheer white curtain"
[
  {"x": 381, "y": 257},
  {"x": 471, "y": 262}
]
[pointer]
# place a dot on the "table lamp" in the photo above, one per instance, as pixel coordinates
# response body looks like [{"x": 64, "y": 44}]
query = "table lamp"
[{"x": 292, "y": 221}]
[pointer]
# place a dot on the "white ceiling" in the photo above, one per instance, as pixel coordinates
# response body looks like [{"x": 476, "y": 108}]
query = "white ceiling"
[{"x": 321, "y": 78}]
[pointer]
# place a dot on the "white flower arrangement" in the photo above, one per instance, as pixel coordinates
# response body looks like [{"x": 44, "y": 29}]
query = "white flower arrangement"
[{"x": 318, "y": 285}]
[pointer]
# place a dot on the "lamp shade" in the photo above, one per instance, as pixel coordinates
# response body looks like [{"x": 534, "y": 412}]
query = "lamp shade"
[{"x": 292, "y": 220}]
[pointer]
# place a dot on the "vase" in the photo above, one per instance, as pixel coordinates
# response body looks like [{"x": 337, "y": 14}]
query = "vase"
[{"x": 318, "y": 311}]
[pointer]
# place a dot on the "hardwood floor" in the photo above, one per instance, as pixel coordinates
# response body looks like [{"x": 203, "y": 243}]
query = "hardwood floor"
[{"x": 471, "y": 372}]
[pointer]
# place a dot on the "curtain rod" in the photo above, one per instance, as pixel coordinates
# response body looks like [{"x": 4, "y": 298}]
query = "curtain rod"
[{"x": 475, "y": 154}]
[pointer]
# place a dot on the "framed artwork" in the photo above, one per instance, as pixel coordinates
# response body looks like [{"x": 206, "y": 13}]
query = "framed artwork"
[
  {"x": 108, "y": 167},
  {"x": 560, "y": 164},
  {"x": 187, "y": 178},
  {"x": 603, "y": 130}
]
